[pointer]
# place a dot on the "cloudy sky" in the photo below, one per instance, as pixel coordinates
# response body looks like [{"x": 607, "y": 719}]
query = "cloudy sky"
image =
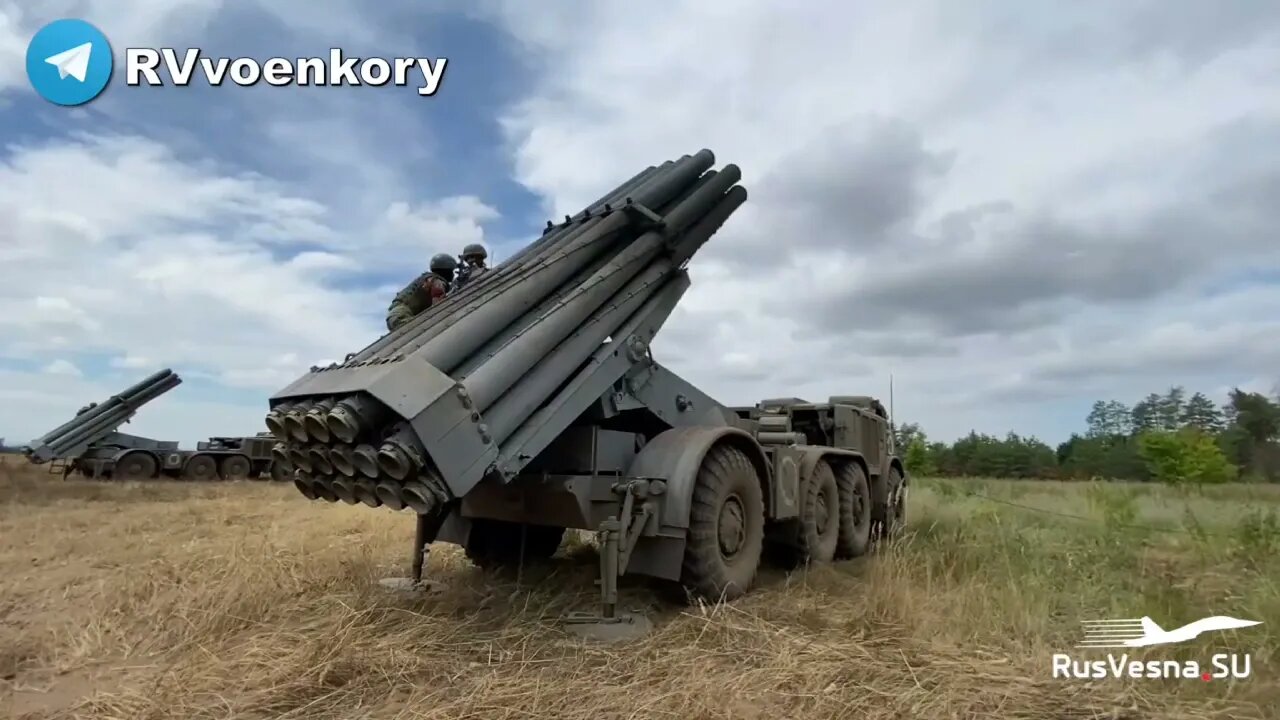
[{"x": 1015, "y": 208}]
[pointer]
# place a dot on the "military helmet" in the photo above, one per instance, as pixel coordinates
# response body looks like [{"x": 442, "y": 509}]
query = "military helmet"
[
  {"x": 474, "y": 250},
  {"x": 443, "y": 262}
]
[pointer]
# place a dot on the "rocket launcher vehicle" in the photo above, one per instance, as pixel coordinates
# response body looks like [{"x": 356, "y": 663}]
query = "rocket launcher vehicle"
[
  {"x": 528, "y": 402},
  {"x": 458, "y": 394}
]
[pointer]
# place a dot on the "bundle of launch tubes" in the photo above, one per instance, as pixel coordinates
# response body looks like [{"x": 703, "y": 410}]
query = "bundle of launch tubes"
[{"x": 510, "y": 340}]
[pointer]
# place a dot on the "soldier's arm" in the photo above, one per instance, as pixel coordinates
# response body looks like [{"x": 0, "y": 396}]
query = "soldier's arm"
[{"x": 436, "y": 289}]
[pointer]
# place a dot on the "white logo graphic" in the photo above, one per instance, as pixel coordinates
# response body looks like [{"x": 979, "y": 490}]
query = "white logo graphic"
[
  {"x": 1143, "y": 632},
  {"x": 73, "y": 62},
  {"x": 149, "y": 65},
  {"x": 1140, "y": 632}
]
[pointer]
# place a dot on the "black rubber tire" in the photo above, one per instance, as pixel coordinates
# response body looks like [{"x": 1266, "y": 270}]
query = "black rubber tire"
[
  {"x": 495, "y": 544},
  {"x": 726, "y": 482},
  {"x": 135, "y": 465},
  {"x": 855, "y": 511},
  {"x": 820, "y": 516},
  {"x": 888, "y": 515},
  {"x": 235, "y": 467},
  {"x": 200, "y": 468}
]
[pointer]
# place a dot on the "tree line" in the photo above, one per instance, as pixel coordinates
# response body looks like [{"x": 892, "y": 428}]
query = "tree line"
[{"x": 1167, "y": 437}]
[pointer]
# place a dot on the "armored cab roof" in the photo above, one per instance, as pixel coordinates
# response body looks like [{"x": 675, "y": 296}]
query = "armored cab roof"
[{"x": 781, "y": 402}]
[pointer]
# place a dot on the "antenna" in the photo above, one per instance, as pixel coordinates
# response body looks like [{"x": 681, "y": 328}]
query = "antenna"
[{"x": 891, "y": 398}]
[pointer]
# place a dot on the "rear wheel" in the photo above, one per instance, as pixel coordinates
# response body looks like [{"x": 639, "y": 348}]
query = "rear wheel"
[
  {"x": 812, "y": 537},
  {"x": 855, "y": 511},
  {"x": 200, "y": 468},
  {"x": 820, "y": 516},
  {"x": 726, "y": 527},
  {"x": 235, "y": 467},
  {"x": 135, "y": 465},
  {"x": 496, "y": 544}
]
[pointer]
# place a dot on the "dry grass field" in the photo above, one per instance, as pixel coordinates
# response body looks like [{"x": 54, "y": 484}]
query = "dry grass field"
[{"x": 169, "y": 600}]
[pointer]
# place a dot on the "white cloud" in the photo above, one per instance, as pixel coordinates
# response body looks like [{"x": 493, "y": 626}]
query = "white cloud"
[
  {"x": 153, "y": 261},
  {"x": 952, "y": 193},
  {"x": 62, "y": 367}
]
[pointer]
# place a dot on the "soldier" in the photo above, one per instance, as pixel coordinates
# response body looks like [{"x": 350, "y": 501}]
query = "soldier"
[
  {"x": 426, "y": 290},
  {"x": 473, "y": 257}
]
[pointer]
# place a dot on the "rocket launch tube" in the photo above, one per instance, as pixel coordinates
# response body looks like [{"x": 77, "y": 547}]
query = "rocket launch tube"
[
  {"x": 515, "y": 407},
  {"x": 452, "y": 346},
  {"x": 129, "y": 396},
  {"x": 504, "y": 271},
  {"x": 489, "y": 349},
  {"x": 502, "y": 371},
  {"x": 118, "y": 408},
  {"x": 102, "y": 420},
  {"x": 568, "y": 243}
]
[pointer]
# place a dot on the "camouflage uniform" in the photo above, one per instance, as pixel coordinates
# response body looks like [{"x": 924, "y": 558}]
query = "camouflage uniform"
[
  {"x": 424, "y": 291},
  {"x": 473, "y": 257}
]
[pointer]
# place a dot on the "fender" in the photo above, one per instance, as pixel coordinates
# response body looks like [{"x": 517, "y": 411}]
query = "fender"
[
  {"x": 675, "y": 457},
  {"x": 115, "y": 457}
]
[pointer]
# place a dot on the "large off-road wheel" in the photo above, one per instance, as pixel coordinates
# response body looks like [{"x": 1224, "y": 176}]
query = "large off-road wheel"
[
  {"x": 820, "y": 516},
  {"x": 891, "y": 520},
  {"x": 135, "y": 465},
  {"x": 200, "y": 468},
  {"x": 726, "y": 527},
  {"x": 235, "y": 467},
  {"x": 496, "y": 544},
  {"x": 855, "y": 511},
  {"x": 812, "y": 537}
]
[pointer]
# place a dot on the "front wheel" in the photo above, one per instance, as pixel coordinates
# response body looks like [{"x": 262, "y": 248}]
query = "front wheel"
[{"x": 726, "y": 527}]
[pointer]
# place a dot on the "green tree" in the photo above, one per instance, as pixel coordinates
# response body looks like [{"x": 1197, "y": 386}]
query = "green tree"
[
  {"x": 1202, "y": 414},
  {"x": 1119, "y": 418},
  {"x": 1169, "y": 408},
  {"x": 1107, "y": 418},
  {"x": 1113, "y": 457},
  {"x": 918, "y": 459},
  {"x": 1146, "y": 413},
  {"x": 1256, "y": 414},
  {"x": 905, "y": 435},
  {"x": 1251, "y": 434},
  {"x": 1184, "y": 456}
]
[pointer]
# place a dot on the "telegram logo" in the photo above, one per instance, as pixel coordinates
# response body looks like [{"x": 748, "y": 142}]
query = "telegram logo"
[{"x": 69, "y": 62}]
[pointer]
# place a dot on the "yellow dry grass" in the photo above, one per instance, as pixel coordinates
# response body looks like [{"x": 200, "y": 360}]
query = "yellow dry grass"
[{"x": 170, "y": 600}]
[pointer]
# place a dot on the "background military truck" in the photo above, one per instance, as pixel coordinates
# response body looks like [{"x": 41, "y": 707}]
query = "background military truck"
[
  {"x": 91, "y": 445},
  {"x": 529, "y": 402}
]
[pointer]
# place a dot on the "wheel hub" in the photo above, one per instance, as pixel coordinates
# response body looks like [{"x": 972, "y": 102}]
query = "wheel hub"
[
  {"x": 732, "y": 526},
  {"x": 822, "y": 512}
]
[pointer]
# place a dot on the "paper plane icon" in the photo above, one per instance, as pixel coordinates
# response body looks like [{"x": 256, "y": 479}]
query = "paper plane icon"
[{"x": 73, "y": 62}]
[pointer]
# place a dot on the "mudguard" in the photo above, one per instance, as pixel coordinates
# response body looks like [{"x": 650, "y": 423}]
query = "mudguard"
[{"x": 675, "y": 457}]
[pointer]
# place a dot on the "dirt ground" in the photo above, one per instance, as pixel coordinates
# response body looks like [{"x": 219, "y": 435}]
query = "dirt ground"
[{"x": 244, "y": 600}]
